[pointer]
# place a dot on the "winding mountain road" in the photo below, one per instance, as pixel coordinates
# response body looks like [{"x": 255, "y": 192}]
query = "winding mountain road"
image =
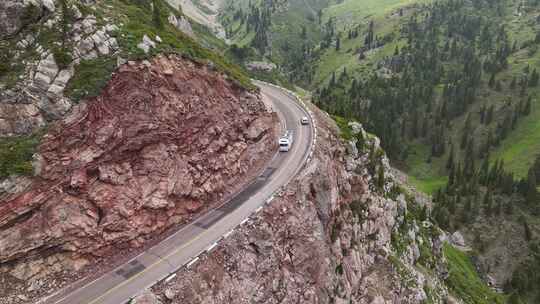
[{"x": 178, "y": 250}]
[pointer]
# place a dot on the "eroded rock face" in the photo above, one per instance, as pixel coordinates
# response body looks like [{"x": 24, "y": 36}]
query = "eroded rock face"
[{"x": 163, "y": 142}]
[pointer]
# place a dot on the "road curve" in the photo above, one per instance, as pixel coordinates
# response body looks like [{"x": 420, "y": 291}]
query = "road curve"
[{"x": 179, "y": 250}]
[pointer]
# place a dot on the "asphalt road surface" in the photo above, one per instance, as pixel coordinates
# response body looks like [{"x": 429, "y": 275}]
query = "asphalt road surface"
[{"x": 160, "y": 261}]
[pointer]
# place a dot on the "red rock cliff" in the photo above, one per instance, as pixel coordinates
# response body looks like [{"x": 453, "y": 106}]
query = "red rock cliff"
[{"x": 164, "y": 141}]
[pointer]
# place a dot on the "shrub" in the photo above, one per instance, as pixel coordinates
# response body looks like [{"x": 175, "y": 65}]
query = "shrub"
[
  {"x": 30, "y": 14},
  {"x": 90, "y": 78},
  {"x": 62, "y": 57},
  {"x": 16, "y": 154}
]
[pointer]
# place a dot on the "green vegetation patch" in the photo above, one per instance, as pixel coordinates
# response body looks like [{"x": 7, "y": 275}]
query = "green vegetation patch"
[
  {"x": 464, "y": 281},
  {"x": 62, "y": 56},
  {"x": 16, "y": 154},
  {"x": 139, "y": 22},
  {"x": 350, "y": 11},
  {"x": 423, "y": 170},
  {"x": 90, "y": 78},
  {"x": 343, "y": 124}
]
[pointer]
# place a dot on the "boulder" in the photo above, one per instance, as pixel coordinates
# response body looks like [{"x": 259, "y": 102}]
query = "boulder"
[
  {"x": 457, "y": 239},
  {"x": 257, "y": 128},
  {"x": 61, "y": 81},
  {"x": 100, "y": 39},
  {"x": 356, "y": 127},
  {"x": 147, "y": 297},
  {"x": 85, "y": 46},
  {"x": 146, "y": 44},
  {"x": 170, "y": 294},
  {"x": 11, "y": 12},
  {"x": 261, "y": 66},
  {"x": 48, "y": 4},
  {"x": 46, "y": 72},
  {"x": 89, "y": 24},
  {"x": 19, "y": 119},
  {"x": 182, "y": 24}
]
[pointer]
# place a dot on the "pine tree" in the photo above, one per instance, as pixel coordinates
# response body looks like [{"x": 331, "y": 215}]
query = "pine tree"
[
  {"x": 533, "y": 81},
  {"x": 491, "y": 82},
  {"x": 156, "y": 14},
  {"x": 526, "y": 228},
  {"x": 466, "y": 132},
  {"x": 498, "y": 208},
  {"x": 532, "y": 191},
  {"x": 498, "y": 86},
  {"x": 380, "y": 177},
  {"x": 332, "y": 83},
  {"x": 450, "y": 161},
  {"x": 528, "y": 106},
  {"x": 536, "y": 168},
  {"x": 483, "y": 114},
  {"x": 360, "y": 141},
  {"x": 484, "y": 172},
  {"x": 514, "y": 299},
  {"x": 466, "y": 211},
  {"x": 489, "y": 116},
  {"x": 451, "y": 177},
  {"x": 513, "y": 83},
  {"x": 488, "y": 202}
]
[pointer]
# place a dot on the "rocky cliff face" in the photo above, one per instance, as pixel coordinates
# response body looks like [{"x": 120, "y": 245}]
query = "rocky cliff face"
[
  {"x": 37, "y": 97},
  {"x": 15, "y": 14},
  {"x": 331, "y": 237},
  {"x": 165, "y": 140}
]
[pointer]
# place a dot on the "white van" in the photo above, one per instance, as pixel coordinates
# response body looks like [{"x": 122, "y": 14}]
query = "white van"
[{"x": 286, "y": 141}]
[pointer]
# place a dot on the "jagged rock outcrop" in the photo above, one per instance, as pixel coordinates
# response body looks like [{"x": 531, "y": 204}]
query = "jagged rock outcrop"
[
  {"x": 38, "y": 97},
  {"x": 15, "y": 13},
  {"x": 182, "y": 24},
  {"x": 326, "y": 239},
  {"x": 165, "y": 140},
  {"x": 261, "y": 66}
]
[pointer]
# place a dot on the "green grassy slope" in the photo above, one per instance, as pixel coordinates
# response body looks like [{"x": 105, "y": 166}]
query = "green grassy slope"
[
  {"x": 463, "y": 279},
  {"x": 351, "y": 13},
  {"x": 518, "y": 150}
]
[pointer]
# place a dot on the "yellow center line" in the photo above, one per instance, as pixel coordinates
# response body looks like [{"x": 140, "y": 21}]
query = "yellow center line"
[{"x": 160, "y": 260}]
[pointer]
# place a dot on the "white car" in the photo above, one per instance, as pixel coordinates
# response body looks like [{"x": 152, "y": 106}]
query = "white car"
[
  {"x": 304, "y": 121},
  {"x": 286, "y": 141}
]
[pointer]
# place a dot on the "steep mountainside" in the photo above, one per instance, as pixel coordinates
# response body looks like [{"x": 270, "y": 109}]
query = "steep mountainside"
[
  {"x": 459, "y": 83},
  {"x": 203, "y": 12},
  {"x": 340, "y": 233},
  {"x": 451, "y": 87}
]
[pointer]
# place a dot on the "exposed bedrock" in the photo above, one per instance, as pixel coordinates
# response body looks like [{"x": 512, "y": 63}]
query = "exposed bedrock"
[{"x": 163, "y": 142}]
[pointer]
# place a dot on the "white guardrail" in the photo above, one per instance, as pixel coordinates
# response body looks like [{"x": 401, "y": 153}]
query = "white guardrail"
[{"x": 195, "y": 258}]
